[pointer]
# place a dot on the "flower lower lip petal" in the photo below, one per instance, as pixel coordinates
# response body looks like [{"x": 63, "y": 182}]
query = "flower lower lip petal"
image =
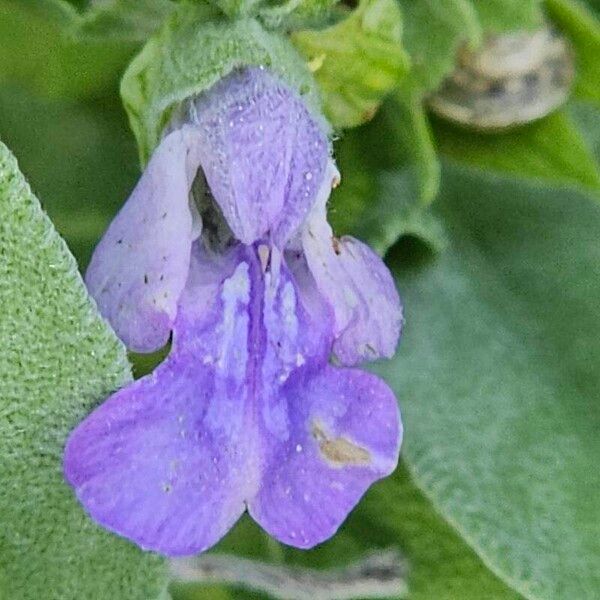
[{"x": 346, "y": 434}]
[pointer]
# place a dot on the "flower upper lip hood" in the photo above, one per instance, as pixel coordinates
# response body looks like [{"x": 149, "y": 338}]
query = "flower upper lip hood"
[
  {"x": 263, "y": 158},
  {"x": 246, "y": 412}
]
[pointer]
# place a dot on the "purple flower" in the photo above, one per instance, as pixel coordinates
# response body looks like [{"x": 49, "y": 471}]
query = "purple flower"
[{"x": 224, "y": 245}]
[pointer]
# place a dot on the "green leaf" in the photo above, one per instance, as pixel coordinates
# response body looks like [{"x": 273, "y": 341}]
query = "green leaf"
[
  {"x": 297, "y": 14},
  {"x": 552, "y": 149},
  {"x": 356, "y": 61},
  {"x": 381, "y": 193},
  {"x": 236, "y": 8},
  {"x": 133, "y": 20},
  {"x": 193, "y": 50},
  {"x": 59, "y": 360},
  {"x": 85, "y": 168},
  {"x": 415, "y": 135},
  {"x": 583, "y": 29},
  {"x": 509, "y": 15},
  {"x": 498, "y": 379},
  {"x": 433, "y": 31},
  {"x": 278, "y": 14},
  {"x": 587, "y": 117},
  {"x": 37, "y": 51}
]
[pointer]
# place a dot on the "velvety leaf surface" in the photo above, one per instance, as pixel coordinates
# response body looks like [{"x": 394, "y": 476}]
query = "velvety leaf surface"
[
  {"x": 278, "y": 14},
  {"x": 553, "y": 149},
  {"x": 298, "y": 14},
  {"x": 59, "y": 359},
  {"x": 195, "y": 48},
  {"x": 37, "y": 51},
  {"x": 131, "y": 20},
  {"x": 498, "y": 376},
  {"x": 356, "y": 61}
]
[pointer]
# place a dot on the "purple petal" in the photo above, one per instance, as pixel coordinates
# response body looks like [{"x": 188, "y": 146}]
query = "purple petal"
[
  {"x": 140, "y": 266},
  {"x": 168, "y": 461},
  {"x": 244, "y": 410},
  {"x": 262, "y": 153},
  {"x": 356, "y": 283},
  {"x": 345, "y": 433}
]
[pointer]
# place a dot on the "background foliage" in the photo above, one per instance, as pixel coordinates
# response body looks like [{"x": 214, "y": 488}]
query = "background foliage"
[{"x": 493, "y": 240}]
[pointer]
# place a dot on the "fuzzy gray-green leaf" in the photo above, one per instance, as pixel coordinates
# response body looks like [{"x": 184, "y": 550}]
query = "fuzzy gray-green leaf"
[
  {"x": 132, "y": 20},
  {"x": 499, "y": 381},
  {"x": 58, "y": 360}
]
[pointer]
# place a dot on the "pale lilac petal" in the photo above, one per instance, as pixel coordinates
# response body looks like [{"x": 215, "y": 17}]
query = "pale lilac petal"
[
  {"x": 167, "y": 462},
  {"x": 345, "y": 433},
  {"x": 295, "y": 336},
  {"x": 356, "y": 283},
  {"x": 140, "y": 266},
  {"x": 262, "y": 153}
]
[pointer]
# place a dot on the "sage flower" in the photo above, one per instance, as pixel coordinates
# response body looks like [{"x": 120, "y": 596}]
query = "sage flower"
[{"x": 224, "y": 248}]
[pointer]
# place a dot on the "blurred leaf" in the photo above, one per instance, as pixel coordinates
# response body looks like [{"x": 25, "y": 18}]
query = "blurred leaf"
[
  {"x": 593, "y": 5},
  {"x": 381, "y": 192},
  {"x": 37, "y": 52},
  {"x": 392, "y": 514},
  {"x": 133, "y": 20},
  {"x": 386, "y": 211},
  {"x": 583, "y": 29},
  {"x": 498, "y": 378},
  {"x": 58, "y": 360},
  {"x": 191, "y": 52},
  {"x": 416, "y": 137},
  {"x": 85, "y": 167},
  {"x": 509, "y": 15},
  {"x": 552, "y": 149},
  {"x": 356, "y": 61},
  {"x": 274, "y": 14},
  {"x": 236, "y": 8},
  {"x": 296, "y": 14},
  {"x": 433, "y": 31},
  {"x": 587, "y": 117}
]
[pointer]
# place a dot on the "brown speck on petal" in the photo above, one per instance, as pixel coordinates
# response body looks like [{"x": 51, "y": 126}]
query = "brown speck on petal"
[
  {"x": 340, "y": 451},
  {"x": 337, "y": 247}
]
